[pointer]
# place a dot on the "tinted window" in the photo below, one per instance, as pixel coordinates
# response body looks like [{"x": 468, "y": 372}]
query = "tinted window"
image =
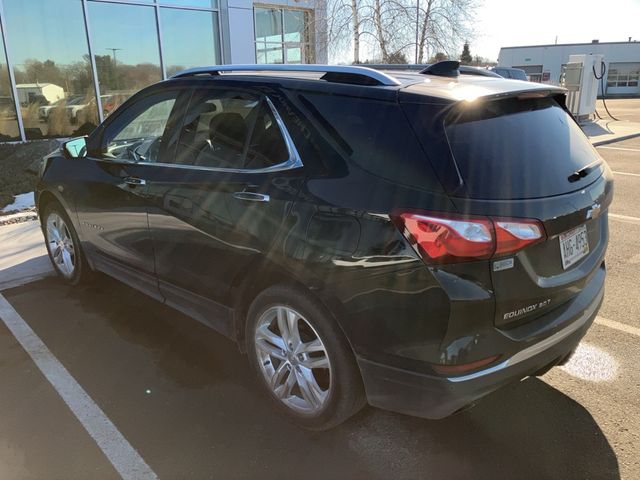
[
  {"x": 518, "y": 149},
  {"x": 136, "y": 135},
  {"x": 224, "y": 129},
  {"x": 375, "y": 135}
]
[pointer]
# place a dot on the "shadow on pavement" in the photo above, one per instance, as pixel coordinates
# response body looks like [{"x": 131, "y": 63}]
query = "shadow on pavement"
[{"x": 184, "y": 397}]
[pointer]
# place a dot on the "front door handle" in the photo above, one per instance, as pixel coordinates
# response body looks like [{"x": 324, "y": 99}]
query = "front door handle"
[
  {"x": 251, "y": 196},
  {"x": 135, "y": 181}
]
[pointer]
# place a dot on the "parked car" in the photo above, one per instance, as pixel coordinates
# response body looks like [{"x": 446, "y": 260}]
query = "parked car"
[
  {"x": 363, "y": 237},
  {"x": 514, "y": 73}
]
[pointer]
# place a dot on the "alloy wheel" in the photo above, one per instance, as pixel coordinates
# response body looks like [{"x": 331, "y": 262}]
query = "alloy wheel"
[
  {"x": 61, "y": 245},
  {"x": 293, "y": 360}
]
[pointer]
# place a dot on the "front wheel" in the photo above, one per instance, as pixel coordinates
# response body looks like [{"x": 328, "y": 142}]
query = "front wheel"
[
  {"x": 63, "y": 245},
  {"x": 302, "y": 358}
]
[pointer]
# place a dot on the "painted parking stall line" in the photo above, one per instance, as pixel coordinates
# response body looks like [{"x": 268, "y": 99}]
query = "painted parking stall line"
[
  {"x": 622, "y": 327},
  {"x": 625, "y": 218},
  {"x": 124, "y": 458},
  {"x": 621, "y": 148},
  {"x": 626, "y": 173}
]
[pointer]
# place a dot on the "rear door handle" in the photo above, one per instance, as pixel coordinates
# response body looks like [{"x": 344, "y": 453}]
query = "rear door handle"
[
  {"x": 135, "y": 181},
  {"x": 251, "y": 196}
]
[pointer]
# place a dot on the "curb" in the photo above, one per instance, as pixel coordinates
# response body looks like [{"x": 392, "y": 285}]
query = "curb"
[{"x": 617, "y": 139}]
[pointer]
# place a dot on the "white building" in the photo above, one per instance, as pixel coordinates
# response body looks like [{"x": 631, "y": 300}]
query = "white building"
[
  {"x": 543, "y": 63},
  {"x": 30, "y": 92}
]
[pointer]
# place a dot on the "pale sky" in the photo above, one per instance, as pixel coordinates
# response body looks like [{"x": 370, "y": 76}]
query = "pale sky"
[{"x": 507, "y": 23}]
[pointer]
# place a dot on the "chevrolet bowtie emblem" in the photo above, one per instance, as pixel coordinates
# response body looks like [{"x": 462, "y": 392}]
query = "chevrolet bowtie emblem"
[{"x": 594, "y": 211}]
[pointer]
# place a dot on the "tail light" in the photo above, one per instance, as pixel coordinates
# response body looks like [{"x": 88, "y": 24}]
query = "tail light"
[{"x": 452, "y": 239}]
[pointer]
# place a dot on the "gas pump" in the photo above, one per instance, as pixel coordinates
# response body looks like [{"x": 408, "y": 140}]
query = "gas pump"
[{"x": 579, "y": 77}]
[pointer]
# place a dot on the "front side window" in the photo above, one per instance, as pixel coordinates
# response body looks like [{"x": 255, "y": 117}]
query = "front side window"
[
  {"x": 230, "y": 130},
  {"x": 137, "y": 134}
]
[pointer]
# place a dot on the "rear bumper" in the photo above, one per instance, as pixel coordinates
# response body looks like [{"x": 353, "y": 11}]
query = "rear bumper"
[{"x": 434, "y": 397}]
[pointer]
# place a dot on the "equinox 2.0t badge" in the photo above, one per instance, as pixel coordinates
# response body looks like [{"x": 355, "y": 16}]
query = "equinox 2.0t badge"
[{"x": 594, "y": 211}]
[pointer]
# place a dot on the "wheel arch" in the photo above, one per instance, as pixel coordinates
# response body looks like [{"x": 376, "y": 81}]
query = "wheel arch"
[{"x": 266, "y": 274}]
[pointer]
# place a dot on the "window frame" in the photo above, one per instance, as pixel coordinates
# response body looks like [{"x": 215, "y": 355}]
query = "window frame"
[
  {"x": 179, "y": 109},
  {"x": 306, "y": 45}
]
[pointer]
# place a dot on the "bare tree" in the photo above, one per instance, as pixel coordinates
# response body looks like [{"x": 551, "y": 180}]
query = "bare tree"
[
  {"x": 442, "y": 25},
  {"x": 389, "y": 29}
]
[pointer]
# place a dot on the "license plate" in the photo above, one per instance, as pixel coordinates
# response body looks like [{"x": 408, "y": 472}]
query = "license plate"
[{"x": 573, "y": 245}]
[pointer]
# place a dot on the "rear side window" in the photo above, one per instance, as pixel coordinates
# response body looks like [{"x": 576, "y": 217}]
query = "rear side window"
[
  {"x": 375, "y": 135},
  {"x": 513, "y": 149},
  {"x": 230, "y": 130}
]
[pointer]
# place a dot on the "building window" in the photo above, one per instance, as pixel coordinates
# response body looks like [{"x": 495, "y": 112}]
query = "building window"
[
  {"x": 50, "y": 56},
  {"x": 126, "y": 60},
  {"x": 623, "y": 75},
  {"x": 190, "y": 38},
  {"x": 134, "y": 43},
  {"x": 283, "y": 35}
]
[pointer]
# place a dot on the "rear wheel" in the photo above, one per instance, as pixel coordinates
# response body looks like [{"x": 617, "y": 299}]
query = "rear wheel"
[
  {"x": 302, "y": 359},
  {"x": 63, "y": 245}
]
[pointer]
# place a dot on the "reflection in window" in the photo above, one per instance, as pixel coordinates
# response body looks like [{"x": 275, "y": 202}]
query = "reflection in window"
[
  {"x": 226, "y": 129},
  {"x": 138, "y": 137},
  {"x": 126, "y": 50},
  {"x": 8, "y": 122},
  {"x": 190, "y": 39},
  {"x": 282, "y": 36},
  {"x": 51, "y": 66}
]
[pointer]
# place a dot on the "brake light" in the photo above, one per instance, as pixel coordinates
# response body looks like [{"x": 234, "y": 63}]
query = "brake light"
[{"x": 453, "y": 239}]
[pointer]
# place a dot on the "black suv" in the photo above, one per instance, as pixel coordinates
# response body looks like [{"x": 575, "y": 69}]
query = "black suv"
[{"x": 410, "y": 240}]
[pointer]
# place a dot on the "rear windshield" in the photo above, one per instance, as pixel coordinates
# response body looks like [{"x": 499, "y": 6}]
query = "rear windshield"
[{"x": 514, "y": 148}]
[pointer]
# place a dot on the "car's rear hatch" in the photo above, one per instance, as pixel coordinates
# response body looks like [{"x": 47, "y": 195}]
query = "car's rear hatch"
[{"x": 523, "y": 157}]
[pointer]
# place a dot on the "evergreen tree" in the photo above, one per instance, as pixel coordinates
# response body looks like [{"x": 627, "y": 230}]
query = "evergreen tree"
[{"x": 466, "y": 57}]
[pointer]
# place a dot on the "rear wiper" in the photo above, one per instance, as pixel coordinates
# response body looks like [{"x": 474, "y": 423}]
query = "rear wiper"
[{"x": 584, "y": 171}]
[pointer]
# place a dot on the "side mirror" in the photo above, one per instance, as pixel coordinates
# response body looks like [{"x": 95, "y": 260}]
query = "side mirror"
[{"x": 75, "y": 148}]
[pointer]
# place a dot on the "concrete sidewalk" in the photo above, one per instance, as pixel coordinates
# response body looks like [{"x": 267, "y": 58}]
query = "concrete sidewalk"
[
  {"x": 601, "y": 132},
  {"x": 23, "y": 257}
]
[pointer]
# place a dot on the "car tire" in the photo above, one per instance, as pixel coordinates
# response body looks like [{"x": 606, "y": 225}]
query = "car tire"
[
  {"x": 309, "y": 372},
  {"x": 63, "y": 245}
]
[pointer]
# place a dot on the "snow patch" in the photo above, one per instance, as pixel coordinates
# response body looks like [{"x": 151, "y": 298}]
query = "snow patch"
[{"x": 21, "y": 202}]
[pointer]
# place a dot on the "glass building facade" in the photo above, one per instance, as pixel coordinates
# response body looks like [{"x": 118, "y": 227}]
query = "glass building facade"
[{"x": 67, "y": 64}]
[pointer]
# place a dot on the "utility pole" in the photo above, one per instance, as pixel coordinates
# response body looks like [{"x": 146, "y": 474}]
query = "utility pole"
[{"x": 115, "y": 64}]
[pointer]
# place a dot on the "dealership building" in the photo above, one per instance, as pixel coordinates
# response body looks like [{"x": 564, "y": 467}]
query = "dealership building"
[
  {"x": 543, "y": 63},
  {"x": 66, "y": 64}
]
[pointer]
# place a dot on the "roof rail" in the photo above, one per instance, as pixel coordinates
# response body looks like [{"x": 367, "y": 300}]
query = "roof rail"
[{"x": 338, "y": 73}]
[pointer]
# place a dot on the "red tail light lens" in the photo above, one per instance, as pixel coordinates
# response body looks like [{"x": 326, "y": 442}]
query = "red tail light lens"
[
  {"x": 512, "y": 236},
  {"x": 450, "y": 239}
]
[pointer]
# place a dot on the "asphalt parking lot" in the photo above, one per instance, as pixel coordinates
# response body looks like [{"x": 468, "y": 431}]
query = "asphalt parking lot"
[{"x": 181, "y": 396}]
